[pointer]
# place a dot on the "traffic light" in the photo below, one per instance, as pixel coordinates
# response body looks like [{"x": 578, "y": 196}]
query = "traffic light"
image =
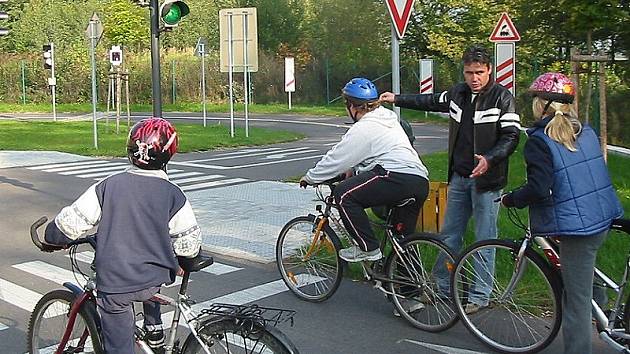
[
  {"x": 3, "y": 16},
  {"x": 172, "y": 11},
  {"x": 48, "y": 53}
]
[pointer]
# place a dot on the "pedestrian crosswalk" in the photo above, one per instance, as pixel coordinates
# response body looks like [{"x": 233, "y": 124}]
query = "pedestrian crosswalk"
[
  {"x": 18, "y": 295},
  {"x": 99, "y": 169}
]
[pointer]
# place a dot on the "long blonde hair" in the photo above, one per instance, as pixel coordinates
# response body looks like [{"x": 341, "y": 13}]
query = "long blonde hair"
[{"x": 563, "y": 127}]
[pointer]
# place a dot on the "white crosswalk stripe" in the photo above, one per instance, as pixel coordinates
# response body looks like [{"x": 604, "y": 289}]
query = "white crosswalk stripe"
[
  {"x": 101, "y": 169},
  {"x": 18, "y": 296}
]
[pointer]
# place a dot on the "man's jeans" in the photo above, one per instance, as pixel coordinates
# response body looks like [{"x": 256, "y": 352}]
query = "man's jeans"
[{"x": 462, "y": 202}]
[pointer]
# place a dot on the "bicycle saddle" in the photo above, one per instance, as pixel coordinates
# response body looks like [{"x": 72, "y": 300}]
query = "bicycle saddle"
[
  {"x": 196, "y": 263},
  {"x": 621, "y": 224}
]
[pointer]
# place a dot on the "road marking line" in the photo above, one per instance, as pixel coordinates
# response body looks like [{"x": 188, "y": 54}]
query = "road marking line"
[
  {"x": 213, "y": 184},
  {"x": 180, "y": 175},
  {"x": 217, "y": 167},
  {"x": 248, "y": 154},
  {"x": 196, "y": 179},
  {"x": 3, "y": 326},
  {"x": 83, "y": 168},
  {"x": 243, "y": 152},
  {"x": 107, "y": 173},
  {"x": 42, "y": 167},
  {"x": 18, "y": 296},
  {"x": 60, "y": 275},
  {"x": 216, "y": 268},
  {"x": 111, "y": 167},
  {"x": 283, "y": 154},
  {"x": 442, "y": 348},
  {"x": 242, "y": 297}
]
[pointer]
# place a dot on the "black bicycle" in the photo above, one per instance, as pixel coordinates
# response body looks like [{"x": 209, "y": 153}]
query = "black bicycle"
[{"x": 307, "y": 255}]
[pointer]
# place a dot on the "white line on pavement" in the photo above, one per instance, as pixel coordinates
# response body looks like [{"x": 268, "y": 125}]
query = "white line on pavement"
[
  {"x": 249, "y": 154},
  {"x": 110, "y": 167},
  {"x": 91, "y": 162},
  {"x": 18, "y": 296},
  {"x": 442, "y": 348},
  {"x": 83, "y": 168},
  {"x": 3, "y": 327},
  {"x": 284, "y": 154},
  {"x": 217, "y": 167},
  {"x": 180, "y": 175},
  {"x": 213, "y": 184},
  {"x": 196, "y": 179}
]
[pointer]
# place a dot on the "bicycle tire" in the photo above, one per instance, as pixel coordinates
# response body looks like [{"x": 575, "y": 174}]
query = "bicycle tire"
[
  {"x": 227, "y": 336},
  {"x": 317, "y": 277},
  {"x": 421, "y": 304},
  {"x": 524, "y": 321},
  {"x": 49, "y": 320}
]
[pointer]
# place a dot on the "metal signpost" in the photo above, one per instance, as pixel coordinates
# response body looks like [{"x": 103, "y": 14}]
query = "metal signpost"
[
  {"x": 238, "y": 52},
  {"x": 289, "y": 77},
  {"x": 200, "y": 51},
  {"x": 400, "y": 11},
  {"x": 94, "y": 32},
  {"x": 504, "y": 37}
]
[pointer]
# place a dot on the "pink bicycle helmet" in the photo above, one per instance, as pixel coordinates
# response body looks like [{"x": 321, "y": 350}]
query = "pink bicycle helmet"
[
  {"x": 151, "y": 143},
  {"x": 553, "y": 87}
]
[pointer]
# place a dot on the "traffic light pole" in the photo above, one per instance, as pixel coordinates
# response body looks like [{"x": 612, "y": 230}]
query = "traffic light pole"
[
  {"x": 53, "y": 81},
  {"x": 155, "y": 59}
]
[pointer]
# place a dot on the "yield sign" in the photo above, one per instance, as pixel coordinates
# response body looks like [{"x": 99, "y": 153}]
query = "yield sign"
[
  {"x": 505, "y": 31},
  {"x": 400, "y": 11}
]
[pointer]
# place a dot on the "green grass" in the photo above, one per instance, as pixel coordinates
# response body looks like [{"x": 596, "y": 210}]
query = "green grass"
[
  {"x": 77, "y": 138},
  {"x": 333, "y": 110}
]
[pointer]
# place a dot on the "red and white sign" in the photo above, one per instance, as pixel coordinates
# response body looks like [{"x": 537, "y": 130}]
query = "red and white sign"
[
  {"x": 400, "y": 11},
  {"x": 289, "y": 74},
  {"x": 505, "y": 64},
  {"x": 505, "y": 31},
  {"x": 426, "y": 75}
]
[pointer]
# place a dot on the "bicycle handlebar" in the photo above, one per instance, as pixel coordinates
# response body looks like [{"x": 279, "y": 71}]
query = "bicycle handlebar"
[{"x": 46, "y": 247}]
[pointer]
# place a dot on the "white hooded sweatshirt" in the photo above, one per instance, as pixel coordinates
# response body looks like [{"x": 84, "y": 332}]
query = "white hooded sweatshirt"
[{"x": 377, "y": 138}]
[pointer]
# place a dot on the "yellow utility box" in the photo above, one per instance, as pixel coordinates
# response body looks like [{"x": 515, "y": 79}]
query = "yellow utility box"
[{"x": 431, "y": 216}]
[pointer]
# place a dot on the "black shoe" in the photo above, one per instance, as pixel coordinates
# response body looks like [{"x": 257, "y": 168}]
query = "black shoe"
[{"x": 155, "y": 340}]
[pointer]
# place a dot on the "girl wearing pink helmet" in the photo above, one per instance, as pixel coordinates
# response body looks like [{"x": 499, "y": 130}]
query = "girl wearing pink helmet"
[{"x": 570, "y": 196}]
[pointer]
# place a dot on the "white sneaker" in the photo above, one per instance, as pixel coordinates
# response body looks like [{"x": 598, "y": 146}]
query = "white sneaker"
[
  {"x": 471, "y": 308},
  {"x": 411, "y": 305},
  {"x": 355, "y": 254}
]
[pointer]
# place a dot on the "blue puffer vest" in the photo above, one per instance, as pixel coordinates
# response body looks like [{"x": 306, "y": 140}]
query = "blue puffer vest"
[{"x": 583, "y": 201}]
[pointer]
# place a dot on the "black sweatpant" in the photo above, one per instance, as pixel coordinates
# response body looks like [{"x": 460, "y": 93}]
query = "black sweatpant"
[{"x": 378, "y": 187}]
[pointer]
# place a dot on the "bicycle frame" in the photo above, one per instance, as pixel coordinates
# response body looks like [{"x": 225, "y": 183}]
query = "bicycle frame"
[
  {"x": 605, "y": 324},
  {"x": 369, "y": 271}
]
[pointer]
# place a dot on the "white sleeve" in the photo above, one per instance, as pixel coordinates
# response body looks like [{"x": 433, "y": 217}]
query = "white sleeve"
[
  {"x": 81, "y": 216},
  {"x": 184, "y": 231},
  {"x": 353, "y": 149}
]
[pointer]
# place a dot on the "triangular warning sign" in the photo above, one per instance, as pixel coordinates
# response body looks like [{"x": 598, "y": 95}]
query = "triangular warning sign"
[
  {"x": 505, "y": 31},
  {"x": 400, "y": 11}
]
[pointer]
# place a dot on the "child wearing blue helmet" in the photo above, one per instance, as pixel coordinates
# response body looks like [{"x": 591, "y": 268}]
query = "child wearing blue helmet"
[{"x": 382, "y": 168}]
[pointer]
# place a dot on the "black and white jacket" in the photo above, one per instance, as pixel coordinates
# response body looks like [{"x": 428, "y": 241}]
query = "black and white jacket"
[
  {"x": 144, "y": 221},
  {"x": 496, "y": 125}
]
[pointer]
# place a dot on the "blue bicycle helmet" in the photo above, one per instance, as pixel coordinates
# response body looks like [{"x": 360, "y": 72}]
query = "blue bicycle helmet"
[{"x": 360, "y": 90}]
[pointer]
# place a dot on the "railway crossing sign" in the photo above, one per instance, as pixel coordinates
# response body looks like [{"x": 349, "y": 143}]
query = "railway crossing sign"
[
  {"x": 505, "y": 31},
  {"x": 400, "y": 11}
]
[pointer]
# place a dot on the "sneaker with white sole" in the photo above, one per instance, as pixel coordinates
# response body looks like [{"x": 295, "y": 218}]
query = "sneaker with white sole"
[
  {"x": 411, "y": 305},
  {"x": 471, "y": 308},
  {"x": 355, "y": 254}
]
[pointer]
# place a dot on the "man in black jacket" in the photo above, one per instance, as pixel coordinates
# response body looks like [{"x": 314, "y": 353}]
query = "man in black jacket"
[{"x": 484, "y": 130}]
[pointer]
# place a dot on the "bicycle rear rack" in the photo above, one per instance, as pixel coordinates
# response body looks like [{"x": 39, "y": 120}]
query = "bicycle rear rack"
[{"x": 254, "y": 313}]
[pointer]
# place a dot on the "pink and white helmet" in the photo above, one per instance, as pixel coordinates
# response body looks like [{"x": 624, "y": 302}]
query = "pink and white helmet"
[{"x": 553, "y": 87}]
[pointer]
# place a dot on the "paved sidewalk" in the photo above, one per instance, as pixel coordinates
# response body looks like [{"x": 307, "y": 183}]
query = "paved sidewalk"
[{"x": 240, "y": 221}]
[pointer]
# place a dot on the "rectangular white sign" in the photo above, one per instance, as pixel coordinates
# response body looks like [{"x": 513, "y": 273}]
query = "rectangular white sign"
[
  {"x": 426, "y": 75},
  {"x": 289, "y": 74}
]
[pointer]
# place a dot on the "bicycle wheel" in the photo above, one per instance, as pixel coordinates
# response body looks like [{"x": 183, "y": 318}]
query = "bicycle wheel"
[
  {"x": 49, "y": 321},
  {"x": 309, "y": 261},
  {"x": 523, "y": 319},
  {"x": 228, "y": 336},
  {"x": 416, "y": 294}
]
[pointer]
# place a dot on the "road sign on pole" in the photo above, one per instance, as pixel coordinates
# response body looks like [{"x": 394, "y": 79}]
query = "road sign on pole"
[
  {"x": 400, "y": 12},
  {"x": 115, "y": 55},
  {"x": 426, "y": 75},
  {"x": 505, "y": 31},
  {"x": 504, "y": 66},
  {"x": 289, "y": 77}
]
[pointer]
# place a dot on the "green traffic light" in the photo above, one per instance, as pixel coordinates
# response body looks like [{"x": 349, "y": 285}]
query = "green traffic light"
[{"x": 173, "y": 16}]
